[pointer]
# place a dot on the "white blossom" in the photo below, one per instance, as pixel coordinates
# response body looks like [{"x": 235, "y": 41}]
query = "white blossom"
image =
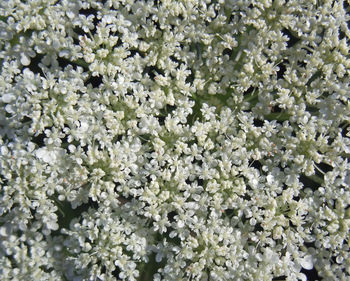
[{"x": 174, "y": 140}]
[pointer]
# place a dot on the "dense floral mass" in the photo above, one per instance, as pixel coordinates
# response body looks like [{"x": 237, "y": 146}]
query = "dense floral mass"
[{"x": 174, "y": 140}]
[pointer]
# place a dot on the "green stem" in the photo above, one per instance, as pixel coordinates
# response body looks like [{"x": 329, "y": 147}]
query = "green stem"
[
  {"x": 253, "y": 97},
  {"x": 3, "y": 19},
  {"x": 81, "y": 63},
  {"x": 316, "y": 179},
  {"x": 279, "y": 116},
  {"x": 147, "y": 270}
]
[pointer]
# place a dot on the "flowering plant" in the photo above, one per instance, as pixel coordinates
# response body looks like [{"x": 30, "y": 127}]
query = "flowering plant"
[{"x": 174, "y": 140}]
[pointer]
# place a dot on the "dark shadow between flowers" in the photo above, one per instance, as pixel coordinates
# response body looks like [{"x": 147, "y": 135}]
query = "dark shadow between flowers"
[
  {"x": 66, "y": 213},
  {"x": 279, "y": 278},
  {"x": 34, "y": 65},
  {"x": 39, "y": 140},
  {"x": 152, "y": 72},
  {"x": 282, "y": 69},
  {"x": 308, "y": 182},
  {"x": 292, "y": 39},
  {"x": 94, "y": 81},
  {"x": 312, "y": 275}
]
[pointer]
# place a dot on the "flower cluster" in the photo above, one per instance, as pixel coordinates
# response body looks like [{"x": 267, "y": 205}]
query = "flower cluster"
[{"x": 174, "y": 140}]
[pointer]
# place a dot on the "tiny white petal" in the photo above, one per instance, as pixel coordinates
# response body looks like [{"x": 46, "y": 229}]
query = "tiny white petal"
[
  {"x": 3, "y": 231},
  {"x": 159, "y": 257},
  {"x": 270, "y": 179},
  {"x": 25, "y": 60},
  {"x": 307, "y": 262},
  {"x": 45, "y": 155},
  {"x": 84, "y": 126},
  {"x": 7, "y": 98},
  {"x": 4, "y": 150},
  {"x": 70, "y": 14}
]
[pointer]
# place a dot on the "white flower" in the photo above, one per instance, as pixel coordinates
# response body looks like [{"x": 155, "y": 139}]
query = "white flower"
[
  {"x": 201, "y": 135},
  {"x": 8, "y": 97},
  {"x": 307, "y": 262},
  {"x": 48, "y": 156}
]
